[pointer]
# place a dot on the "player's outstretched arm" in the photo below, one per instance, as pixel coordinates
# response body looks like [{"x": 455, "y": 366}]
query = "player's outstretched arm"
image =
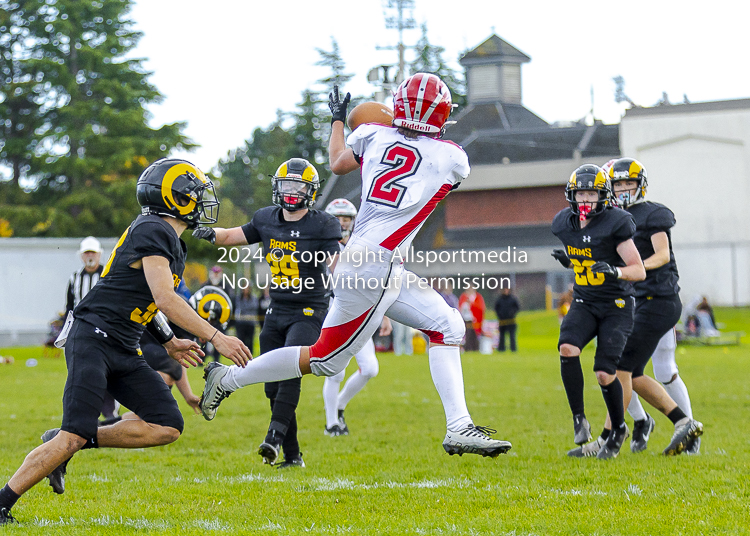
[
  {"x": 633, "y": 270},
  {"x": 159, "y": 279},
  {"x": 220, "y": 236},
  {"x": 341, "y": 157}
]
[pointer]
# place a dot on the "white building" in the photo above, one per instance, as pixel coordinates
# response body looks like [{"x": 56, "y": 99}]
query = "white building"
[
  {"x": 698, "y": 162},
  {"x": 34, "y": 274}
]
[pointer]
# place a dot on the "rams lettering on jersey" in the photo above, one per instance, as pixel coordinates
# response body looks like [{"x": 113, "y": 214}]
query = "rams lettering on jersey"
[
  {"x": 579, "y": 252},
  {"x": 289, "y": 246}
]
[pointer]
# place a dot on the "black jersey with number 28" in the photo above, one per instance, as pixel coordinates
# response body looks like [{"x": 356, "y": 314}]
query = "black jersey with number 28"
[
  {"x": 289, "y": 247},
  {"x": 596, "y": 242},
  {"x": 121, "y": 304}
]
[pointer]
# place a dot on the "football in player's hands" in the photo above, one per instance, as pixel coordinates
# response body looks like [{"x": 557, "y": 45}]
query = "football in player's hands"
[
  {"x": 561, "y": 257},
  {"x": 205, "y": 233},
  {"x": 609, "y": 271},
  {"x": 370, "y": 112}
]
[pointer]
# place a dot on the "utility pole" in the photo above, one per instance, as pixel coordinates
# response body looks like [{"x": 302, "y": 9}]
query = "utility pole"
[{"x": 399, "y": 20}]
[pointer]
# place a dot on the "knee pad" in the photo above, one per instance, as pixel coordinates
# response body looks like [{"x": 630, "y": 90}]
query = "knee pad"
[
  {"x": 453, "y": 328},
  {"x": 370, "y": 369},
  {"x": 605, "y": 363},
  {"x": 665, "y": 366}
]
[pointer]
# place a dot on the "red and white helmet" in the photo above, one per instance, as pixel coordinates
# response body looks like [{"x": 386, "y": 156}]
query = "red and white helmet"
[
  {"x": 341, "y": 207},
  {"x": 423, "y": 103}
]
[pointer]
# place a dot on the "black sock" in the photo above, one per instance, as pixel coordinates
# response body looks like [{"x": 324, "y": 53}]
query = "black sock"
[
  {"x": 613, "y": 399},
  {"x": 276, "y": 433},
  {"x": 92, "y": 443},
  {"x": 572, "y": 378},
  {"x": 8, "y": 497},
  {"x": 676, "y": 415},
  {"x": 605, "y": 433}
]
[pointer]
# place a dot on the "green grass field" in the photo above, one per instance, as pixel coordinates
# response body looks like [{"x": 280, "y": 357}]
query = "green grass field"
[{"x": 391, "y": 476}]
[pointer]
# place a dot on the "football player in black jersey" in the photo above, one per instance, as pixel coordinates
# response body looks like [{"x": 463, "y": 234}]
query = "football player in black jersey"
[
  {"x": 101, "y": 336},
  {"x": 598, "y": 240},
  {"x": 657, "y": 310},
  {"x": 298, "y": 243}
]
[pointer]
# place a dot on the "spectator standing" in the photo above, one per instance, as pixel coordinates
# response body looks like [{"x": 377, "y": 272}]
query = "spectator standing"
[
  {"x": 507, "y": 307},
  {"x": 471, "y": 306}
]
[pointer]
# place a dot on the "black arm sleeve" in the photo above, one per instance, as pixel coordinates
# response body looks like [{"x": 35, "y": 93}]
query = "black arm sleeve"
[
  {"x": 70, "y": 299},
  {"x": 159, "y": 328}
]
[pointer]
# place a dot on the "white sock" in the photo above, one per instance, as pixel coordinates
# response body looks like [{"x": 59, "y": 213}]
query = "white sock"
[
  {"x": 445, "y": 367},
  {"x": 273, "y": 366},
  {"x": 636, "y": 408},
  {"x": 353, "y": 385},
  {"x": 331, "y": 397},
  {"x": 679, "y": 393}
]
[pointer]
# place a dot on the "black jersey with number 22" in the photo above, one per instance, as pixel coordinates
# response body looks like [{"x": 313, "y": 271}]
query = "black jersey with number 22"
[{"x": 596, "y": 242}]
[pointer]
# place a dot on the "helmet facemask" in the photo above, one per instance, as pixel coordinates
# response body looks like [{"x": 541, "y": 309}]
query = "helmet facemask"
[
  {"x": 588, "y": 178},
  {"x": 207, "y": 206},
  {"x": 293, "y": 194},
  {"x": 628, "y": 169}
]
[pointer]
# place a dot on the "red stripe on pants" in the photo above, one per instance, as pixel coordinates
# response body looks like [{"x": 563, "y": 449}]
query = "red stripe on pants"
[{"x": 334, "y": 337}]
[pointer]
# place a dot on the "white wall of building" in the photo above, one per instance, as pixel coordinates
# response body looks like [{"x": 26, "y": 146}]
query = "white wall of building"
[
  {"x": 698, "y": 162},
  {"x": 34, "y": 275}
]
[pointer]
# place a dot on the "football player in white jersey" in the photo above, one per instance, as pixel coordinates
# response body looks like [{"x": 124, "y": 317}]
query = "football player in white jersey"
[
  {"x": 406, "y": 171},
  {"x": 335, "y": 402}
]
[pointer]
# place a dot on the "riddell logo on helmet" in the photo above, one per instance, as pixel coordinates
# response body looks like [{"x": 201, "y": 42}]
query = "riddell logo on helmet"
[{"x": 416, "y": 126}]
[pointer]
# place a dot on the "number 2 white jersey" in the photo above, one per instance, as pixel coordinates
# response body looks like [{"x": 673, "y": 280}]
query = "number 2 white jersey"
[{"x": 403, "y": 180}]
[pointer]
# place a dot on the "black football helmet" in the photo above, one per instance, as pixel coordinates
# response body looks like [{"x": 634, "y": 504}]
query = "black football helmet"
[
  {"x": 629, "y": 169},
  {"x": 295, "y": 184},
  {"x": 213, "y": 305},
  {"x": 175, "y": 187},
  {"x": 588, "y": 177}
]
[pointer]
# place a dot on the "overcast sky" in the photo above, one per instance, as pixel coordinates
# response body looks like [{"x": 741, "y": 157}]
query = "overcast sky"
[{"x": 226, "y": 66}]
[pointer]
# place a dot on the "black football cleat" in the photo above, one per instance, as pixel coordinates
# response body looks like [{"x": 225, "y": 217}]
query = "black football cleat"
[{"x": 57, "y": 476}]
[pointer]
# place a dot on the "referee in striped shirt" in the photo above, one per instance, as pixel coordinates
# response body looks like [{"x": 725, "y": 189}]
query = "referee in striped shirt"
[{"x": 84, "y": 279}]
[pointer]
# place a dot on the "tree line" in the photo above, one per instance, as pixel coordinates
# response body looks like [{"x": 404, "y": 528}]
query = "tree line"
[{"x": 74, "y": 132}]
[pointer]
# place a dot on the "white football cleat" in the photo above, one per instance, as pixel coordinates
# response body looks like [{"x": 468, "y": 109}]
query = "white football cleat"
[
  {"x": 474, "y": 440},
  {"x": 213, "y": 392}
]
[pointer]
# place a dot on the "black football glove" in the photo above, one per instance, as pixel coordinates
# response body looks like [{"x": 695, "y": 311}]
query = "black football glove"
[
  {"x": 610, "y": 272},
  {"x": 337, "y": 106},
  {"x": 561, "y": 257},
  {"x": 205, "y": 233}
]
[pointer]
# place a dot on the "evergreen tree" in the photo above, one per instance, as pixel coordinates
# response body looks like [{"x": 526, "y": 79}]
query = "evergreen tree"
[
  {"x": 22, "y": 93},
  {"x": 332, "y": 59},
  {"x": 87, "y": 139}
]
